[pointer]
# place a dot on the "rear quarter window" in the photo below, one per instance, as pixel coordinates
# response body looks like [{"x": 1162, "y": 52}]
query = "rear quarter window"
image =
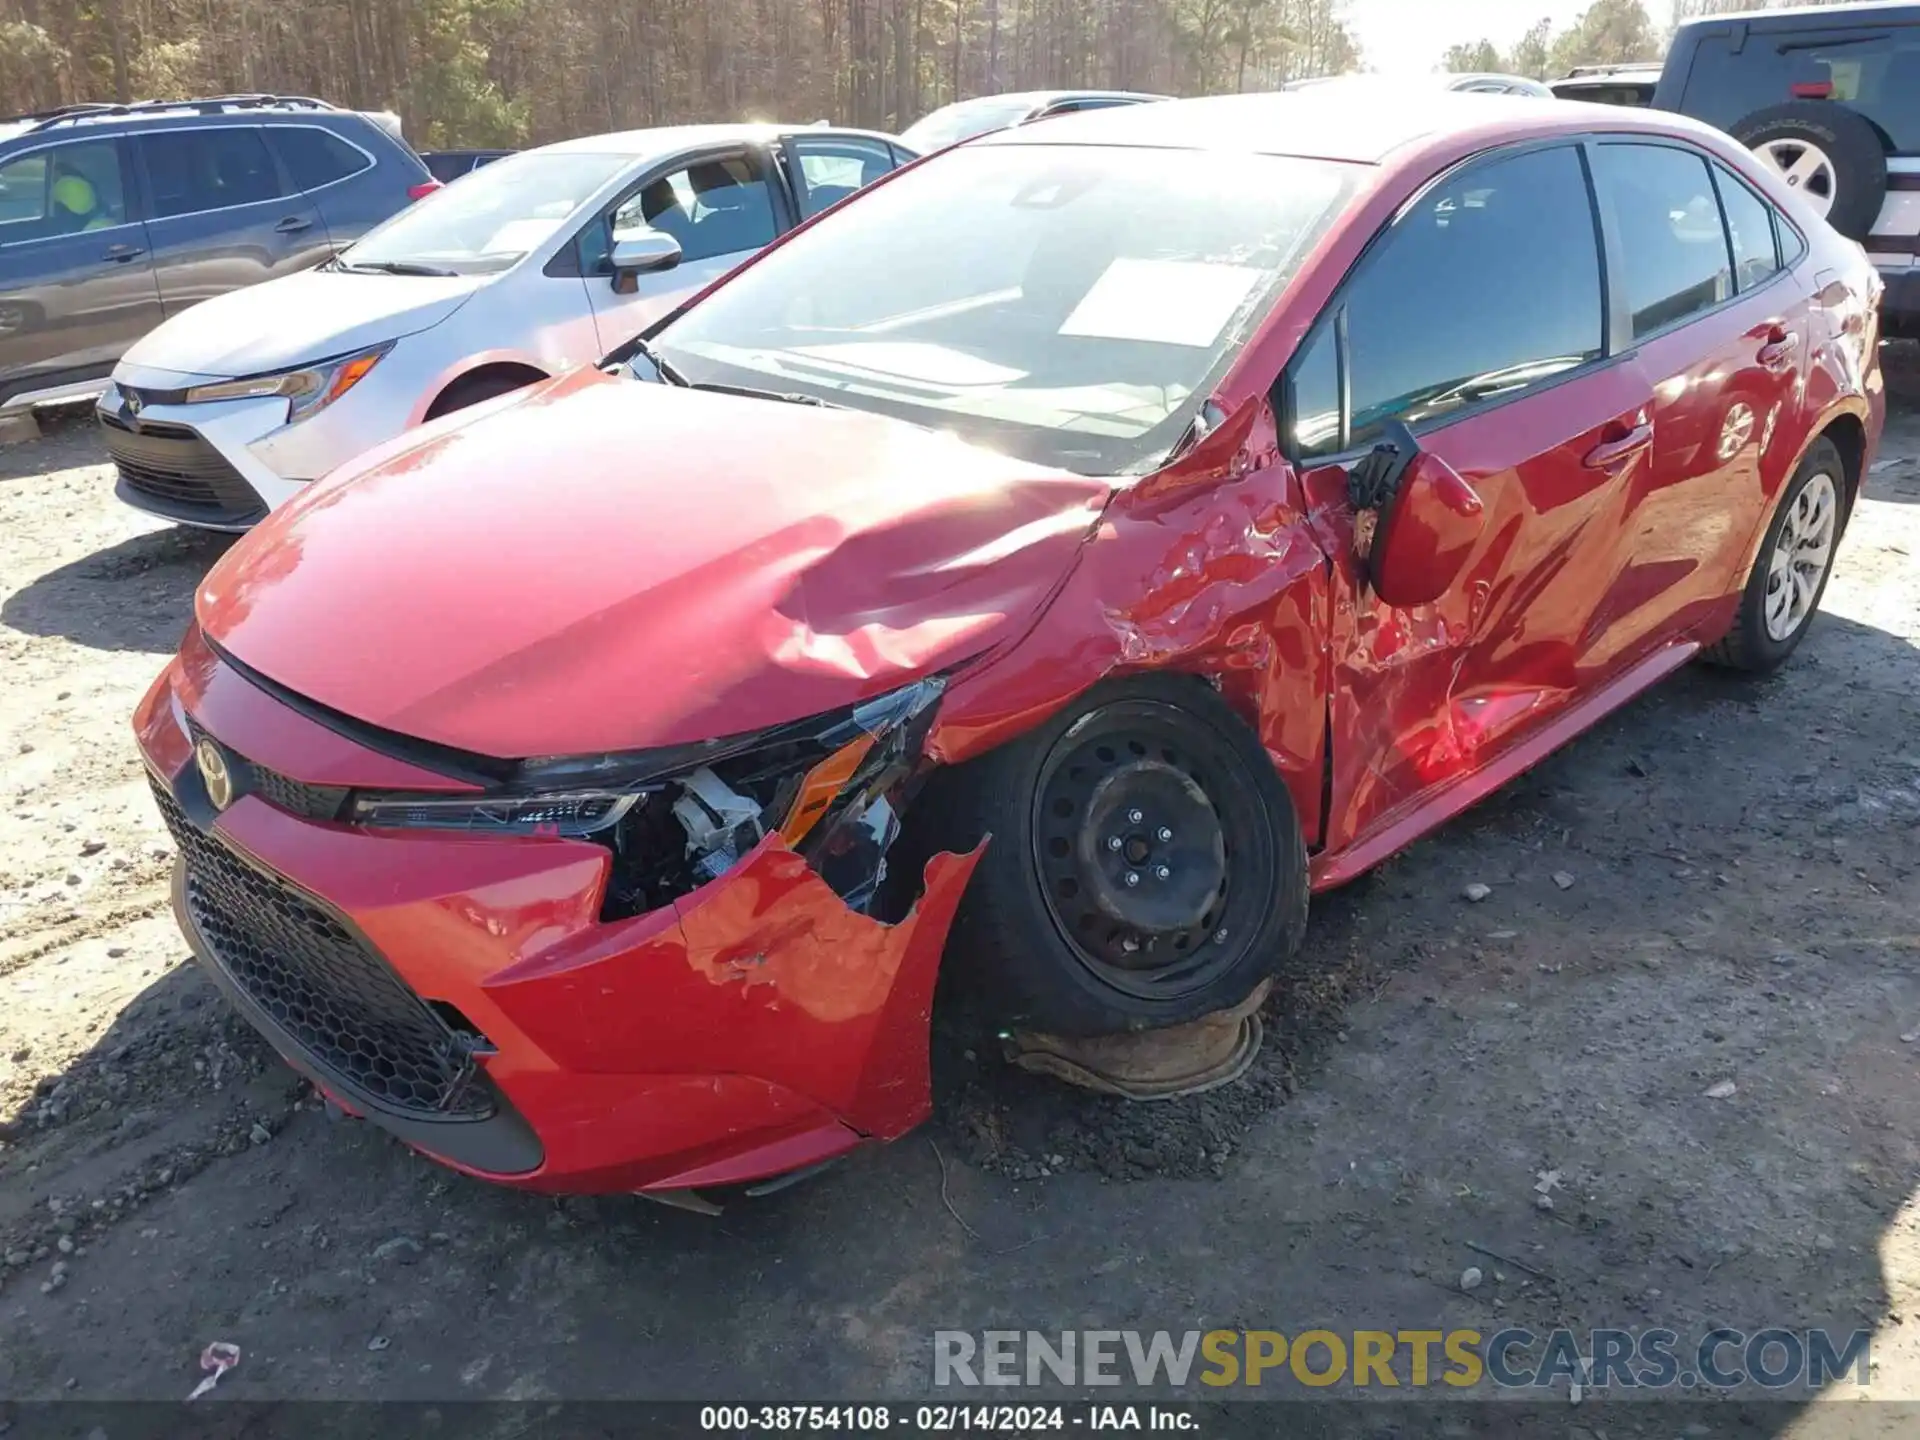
[
  {"x": 1873, "y": 71},
  {"x": 315, "y": 157}
]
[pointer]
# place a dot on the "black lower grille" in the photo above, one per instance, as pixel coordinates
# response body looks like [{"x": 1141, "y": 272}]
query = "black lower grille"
[
  {"x": 173, "y": 470},
  {"x": 327, "y": 989}
]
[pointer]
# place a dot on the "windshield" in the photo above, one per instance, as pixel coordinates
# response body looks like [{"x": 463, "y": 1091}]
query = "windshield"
[
  {"x": 488, "y": 220},
  {"x": 951, "y": 124},
  {"x": 1066, "y": 304}
]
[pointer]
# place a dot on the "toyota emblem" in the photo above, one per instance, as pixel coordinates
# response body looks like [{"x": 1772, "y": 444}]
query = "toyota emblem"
[{"x": 213, "y": 770}]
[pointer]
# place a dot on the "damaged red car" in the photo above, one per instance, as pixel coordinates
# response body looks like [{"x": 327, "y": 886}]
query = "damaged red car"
[{"x": 1038, "y": 573}]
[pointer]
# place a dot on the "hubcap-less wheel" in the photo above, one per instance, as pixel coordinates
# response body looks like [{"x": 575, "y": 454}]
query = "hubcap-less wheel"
[
  {"x": 1805, "y": 167},
  {"x": 1155, "y": 864},
  {"x": 1802, "y": 551}
]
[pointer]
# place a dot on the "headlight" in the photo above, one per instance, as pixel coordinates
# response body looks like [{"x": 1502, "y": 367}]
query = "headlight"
[
  {"x": 581, "y": 812},
  {"x": 676, "y": 818},
  {"x": 308, "y": 390}
]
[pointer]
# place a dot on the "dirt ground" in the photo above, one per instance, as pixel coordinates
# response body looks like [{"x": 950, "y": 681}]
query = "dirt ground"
[{"x": 1744, "y": 907}]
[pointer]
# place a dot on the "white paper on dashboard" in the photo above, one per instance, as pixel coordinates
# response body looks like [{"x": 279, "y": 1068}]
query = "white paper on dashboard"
[
  {"x": 520, "y": 235},
  {"x": 1168, "y": 302}
]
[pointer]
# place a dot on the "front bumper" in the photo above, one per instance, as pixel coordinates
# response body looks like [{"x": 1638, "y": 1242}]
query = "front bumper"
[
  {"x": 223, "y": 465},
  {"x": 464, "y": 994}
]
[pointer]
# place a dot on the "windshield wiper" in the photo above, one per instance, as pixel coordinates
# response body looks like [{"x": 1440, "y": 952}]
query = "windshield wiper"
[
  {"x": 638, "y": 349},
  {"x": 391, "y": 267},
  {"x": 789, "y": 397}
]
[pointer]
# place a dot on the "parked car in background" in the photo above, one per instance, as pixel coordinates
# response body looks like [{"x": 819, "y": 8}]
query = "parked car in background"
[
  {"x": 1468, "y": 83},
  {"x": 587, "y": 790},
  {"x": 1608, "y": 84},
  {"x": 964, "y": 119},
  {"x": 542, "y": 260},
  {"x": 115, "y": 217},
  {"x": 1830, "y": 98},
  {"x": 449, "y": 165}
]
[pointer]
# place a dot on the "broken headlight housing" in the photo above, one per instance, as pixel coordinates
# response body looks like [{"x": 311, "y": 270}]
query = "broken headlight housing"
[{"x": 831, "y": 786}]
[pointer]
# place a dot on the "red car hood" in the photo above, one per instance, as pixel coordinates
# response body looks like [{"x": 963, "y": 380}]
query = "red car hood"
[{"x": 606, "y": 565}]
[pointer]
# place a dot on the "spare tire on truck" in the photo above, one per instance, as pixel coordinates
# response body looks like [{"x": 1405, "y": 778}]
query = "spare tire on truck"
[{"x": 1827, "y": 152}]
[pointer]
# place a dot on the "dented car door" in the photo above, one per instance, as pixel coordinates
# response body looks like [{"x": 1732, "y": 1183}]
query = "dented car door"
[{"x": 1477, "y": 320}]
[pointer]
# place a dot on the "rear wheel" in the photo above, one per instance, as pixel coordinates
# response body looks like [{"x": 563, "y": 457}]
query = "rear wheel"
[
  {"x": 1790, "y": 572},
  {"x": 1146, "y": 868}
]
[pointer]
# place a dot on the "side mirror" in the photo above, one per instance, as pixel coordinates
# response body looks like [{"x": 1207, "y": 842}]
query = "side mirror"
[
  {"x": 1426, "y": 520},
  {"x": 642, "y": 252}
]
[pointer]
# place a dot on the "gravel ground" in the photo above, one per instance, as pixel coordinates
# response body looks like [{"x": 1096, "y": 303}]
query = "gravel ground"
[{"x": 1744, "y": 911}]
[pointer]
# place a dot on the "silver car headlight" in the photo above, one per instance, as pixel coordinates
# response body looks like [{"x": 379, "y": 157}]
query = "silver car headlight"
[{"x": 308, "y": 390}]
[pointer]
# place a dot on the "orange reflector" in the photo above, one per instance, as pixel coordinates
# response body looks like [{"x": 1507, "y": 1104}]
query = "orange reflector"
[
  {"x": 823, "y": 784},
  {"x": 351, "y": 374}
]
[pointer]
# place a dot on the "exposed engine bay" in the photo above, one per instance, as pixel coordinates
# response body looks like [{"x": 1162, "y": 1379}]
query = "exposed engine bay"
[{"x": 834, "y": 792}]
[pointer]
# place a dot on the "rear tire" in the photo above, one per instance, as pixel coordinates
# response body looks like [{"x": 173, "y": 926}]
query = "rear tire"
[
  {"x": 1790, "y": 572},
  {"x": 1851, "y": 186},
  {"x": 1053, "y": 934}
]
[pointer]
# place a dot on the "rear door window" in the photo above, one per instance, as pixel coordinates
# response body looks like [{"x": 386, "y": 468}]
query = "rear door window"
[
  {"x": 832, "y": 169},
  {"x": 1486, "y": 288},
  {"x": 316, "y": 157},
  {"x": 1673, "y": 247},
  {"x": 193, "y": 171},
  {"x": 1874, "y": 71}
]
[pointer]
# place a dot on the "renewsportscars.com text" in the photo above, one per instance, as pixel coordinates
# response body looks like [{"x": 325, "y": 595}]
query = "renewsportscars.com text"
[{"x": 1514, "y": 1358}]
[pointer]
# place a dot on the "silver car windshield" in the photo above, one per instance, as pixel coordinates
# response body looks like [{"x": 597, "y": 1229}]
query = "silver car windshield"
[
  {"x": 951, "y": 124},
  {"x": 1068, "y": 304},
  {"x": 488, "y": 220}
]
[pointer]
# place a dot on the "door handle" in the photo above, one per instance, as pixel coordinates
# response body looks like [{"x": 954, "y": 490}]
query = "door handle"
[
  {"x": 120, "y": 254},
  {"x": 1622, "y": 445},
  {"x": 1777, "y": 354},
  {"x": 293, "y": 225}
]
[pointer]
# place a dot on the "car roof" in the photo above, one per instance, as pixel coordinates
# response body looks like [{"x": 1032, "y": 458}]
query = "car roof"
[
  {"x": 70, "y": 120},
  {"x": 1606, "y": 72},
  {"x": 670, "y": 139},
  {"x": 1035, "y": 98},
  {"x": 1435, "y": 80},
  {"x": 1048, "y": 97},
  {"x": 1359, "y": 123},
  {"x": 1826, "y": 16}
]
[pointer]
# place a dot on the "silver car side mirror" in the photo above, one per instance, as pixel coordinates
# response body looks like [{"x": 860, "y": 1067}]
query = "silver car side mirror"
[{"x": 642, "y": 252}]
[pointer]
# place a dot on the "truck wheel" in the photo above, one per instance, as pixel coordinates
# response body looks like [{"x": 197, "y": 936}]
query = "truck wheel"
[{"x": 1828, "y": 153}]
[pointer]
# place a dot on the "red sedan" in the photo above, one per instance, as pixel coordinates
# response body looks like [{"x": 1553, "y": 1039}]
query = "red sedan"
[{"x": 1048, "y": 567}]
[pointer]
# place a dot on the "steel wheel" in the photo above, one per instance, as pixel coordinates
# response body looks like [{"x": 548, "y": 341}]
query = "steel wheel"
[
  {"x": 1802, "y": 551},
  {"x": 1155, "y": 867},
  {"x": 1805, "y": 167}
]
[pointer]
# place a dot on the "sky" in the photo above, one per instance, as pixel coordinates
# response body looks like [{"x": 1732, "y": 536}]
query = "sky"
[{"x": 1402, "y": 37}]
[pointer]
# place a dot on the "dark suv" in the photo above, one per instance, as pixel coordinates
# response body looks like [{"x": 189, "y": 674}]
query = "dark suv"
[
  {"x": 114, "y": 217},
  {"x": 1829, "y": 97}
]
